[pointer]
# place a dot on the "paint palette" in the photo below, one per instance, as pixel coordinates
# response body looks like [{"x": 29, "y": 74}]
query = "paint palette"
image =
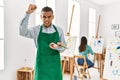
[
  {"x": 56, "y": 47},
  {"x": 53, "y": 45}
]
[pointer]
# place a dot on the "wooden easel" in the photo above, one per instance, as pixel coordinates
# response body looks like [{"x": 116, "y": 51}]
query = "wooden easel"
[
  {"x": 71, "y": 60},
  {"x": 98, "y": 56},
  {"x": 98, "y": 26}
]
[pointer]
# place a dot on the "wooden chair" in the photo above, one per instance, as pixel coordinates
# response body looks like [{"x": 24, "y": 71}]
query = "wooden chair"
[{"x": 83, "y": 67}]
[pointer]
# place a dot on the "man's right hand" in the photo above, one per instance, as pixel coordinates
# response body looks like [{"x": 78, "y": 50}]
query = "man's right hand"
[{"x": 31, "y": 8}]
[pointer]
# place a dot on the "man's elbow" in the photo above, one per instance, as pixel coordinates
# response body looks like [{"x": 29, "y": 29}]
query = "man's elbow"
[{"x": 21, "y": 32}]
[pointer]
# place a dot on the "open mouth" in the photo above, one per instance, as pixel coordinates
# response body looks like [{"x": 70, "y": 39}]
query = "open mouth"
[{"x": 46, "y": 22}]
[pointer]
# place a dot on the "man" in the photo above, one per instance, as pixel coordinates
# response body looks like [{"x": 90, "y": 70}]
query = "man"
[{"x": 48, "y": 65}]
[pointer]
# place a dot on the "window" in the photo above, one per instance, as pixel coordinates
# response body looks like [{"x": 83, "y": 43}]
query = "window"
[
  {"x": 75, "y": 25},
  {"x": 40, "y": 4},
  {"x": 1, "y": 35},
  {"x": 92, "y": 22},
  {"x": 1, "y": 2}
]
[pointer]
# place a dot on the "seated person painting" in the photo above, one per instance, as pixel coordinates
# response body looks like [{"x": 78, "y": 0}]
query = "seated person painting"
[{"x": 84, "y": 50}]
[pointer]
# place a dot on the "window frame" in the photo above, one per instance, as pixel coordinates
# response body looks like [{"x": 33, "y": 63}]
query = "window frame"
[{"x": 2, "y": 37}]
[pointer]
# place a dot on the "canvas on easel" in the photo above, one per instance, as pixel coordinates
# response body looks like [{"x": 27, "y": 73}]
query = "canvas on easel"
[
  {"x": 97, "y": 45},
  {"x": 97, "y": 42},
  {"x": 71, "y": 44},
  {"x": 112, "y": 60}
]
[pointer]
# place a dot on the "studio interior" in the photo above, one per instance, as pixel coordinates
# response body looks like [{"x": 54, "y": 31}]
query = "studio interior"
[{"x": 98, "y": 21}]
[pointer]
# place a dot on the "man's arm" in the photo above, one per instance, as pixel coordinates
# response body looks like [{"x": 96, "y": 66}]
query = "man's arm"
[
  {"x": 24, "y": 31},
  {"x": 62, "y": 37},
  {"x": 62, "y": 40}
]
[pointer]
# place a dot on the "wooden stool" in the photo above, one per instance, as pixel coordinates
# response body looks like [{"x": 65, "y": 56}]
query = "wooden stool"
[{"x": 25, "y": 73}]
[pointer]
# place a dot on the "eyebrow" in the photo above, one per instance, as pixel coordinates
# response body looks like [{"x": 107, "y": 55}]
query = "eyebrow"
[{"x": 46, "y": 17}]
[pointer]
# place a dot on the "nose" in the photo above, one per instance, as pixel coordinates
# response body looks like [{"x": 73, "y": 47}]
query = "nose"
[{"x": 46, "y": 19}]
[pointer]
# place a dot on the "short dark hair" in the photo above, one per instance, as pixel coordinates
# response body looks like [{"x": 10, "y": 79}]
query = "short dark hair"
[{"x": 46, "y": 9}]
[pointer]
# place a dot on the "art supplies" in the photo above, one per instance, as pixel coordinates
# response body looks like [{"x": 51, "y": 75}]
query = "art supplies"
[{"x": 57, "y": 47}]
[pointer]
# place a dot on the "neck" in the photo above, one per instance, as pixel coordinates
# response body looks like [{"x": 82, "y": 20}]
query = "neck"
[{"x": 46, "y": 26}]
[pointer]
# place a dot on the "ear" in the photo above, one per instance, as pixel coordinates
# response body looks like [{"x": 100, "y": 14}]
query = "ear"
[
  {"x": 53, "y": 17},
  {"x": 41, "y": 16}
]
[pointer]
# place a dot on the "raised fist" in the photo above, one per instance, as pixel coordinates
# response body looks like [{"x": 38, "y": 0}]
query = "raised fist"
[{"x": 31, "y": 8}]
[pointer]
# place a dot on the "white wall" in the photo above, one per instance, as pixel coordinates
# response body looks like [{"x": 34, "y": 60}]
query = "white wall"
[
  {"x": 84, "y": 16},
  {"x": 18, "y": 48},
  {"x": 110, "y": 15},
  {"x": 61, "y": 14}
]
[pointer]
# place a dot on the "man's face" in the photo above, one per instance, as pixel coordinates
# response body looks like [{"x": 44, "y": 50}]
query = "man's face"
[{"x": 47, "y": 18}]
